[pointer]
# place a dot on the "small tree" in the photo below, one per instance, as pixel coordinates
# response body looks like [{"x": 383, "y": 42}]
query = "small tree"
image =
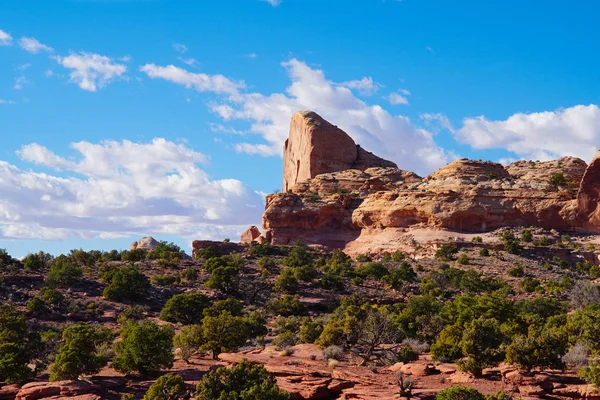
[
  {"x": 460, "y": 393},
  {"x": 241, "y": 382},
  {"x": 127, "y": 283},
  {"x": 188, "y": 341},
  {"x": 63, "y": 272},
  {"x": 223, "y": 333},
  {"x": 446, "y": 252},
  {"x": 19, "y": 346},
  {"x": 480, "y": 345},
  {"x": 78, "y": 355},
  {"x": 167, "y": 387},
  {"x": 287, "y": 281},
  {"x": 144, "y": 348},
  {"x": 225, "y": 279},
  {"x": 185, "y": 308},
  {"x": 540, "y": 349},
  {"x": 591, "y": 373}
]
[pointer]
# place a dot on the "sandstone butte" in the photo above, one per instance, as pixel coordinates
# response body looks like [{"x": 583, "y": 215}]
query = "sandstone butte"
[{"x": 335, "y": 193}]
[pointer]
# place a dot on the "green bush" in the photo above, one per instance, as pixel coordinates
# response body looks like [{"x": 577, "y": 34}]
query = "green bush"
[
  {"x": 516, "y": 271},
  {"x": 167, "y": 387},
  {"x": 591, "y": 373},
  {"x": 241, "y": 382},
  {"x": 481, "y": 342},
  {"x": 63, "y": 273},
  {"x": 406, "y": 354},
  {"x": 133, "y": 255},
  {"x": 188, "y": 341},
  {"x": 36, "y": 261},
  {"x": 463, "y": 259},
  {"x": 19, "y": 346},
  {"x": 285, "y": 339},
  {"x": 540, "y": 349},
  {"x": 529, "y": 285},
  {"x": 526, "y": 236},
  {"x": 164, "y": 280},
  {"x": 185, "y": 308},
  {"x": 144, "y": 348},
  {"x": 287, "y": 281},
  {"x": 459, "y": 393},
  {"x": 484, "y": 252},
  {"x": 286, "y": 305},
  {"x": 558, "y": 180},
  {"x": 131, "y": 313},
  {"x": 511, "y": 243},
  {"x": 447, "y": 346},
  {"x": 225, "y": 279},
  {"x": 299, "y": 256},
  {"x": 373, "y": 270},
  {"x": 223, "y": 333},
  {"x": 127, "y": 283},
  {"x": 331, "y": 281},
  {"x": 190, "y": 274},
  {"x": 446, "y": 252},
  {"x": 310, "y": 331},
  {"x": 78, "y": 354}
]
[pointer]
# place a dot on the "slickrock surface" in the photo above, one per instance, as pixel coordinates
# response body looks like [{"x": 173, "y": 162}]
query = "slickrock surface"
[{"x": 332, "y": 197}]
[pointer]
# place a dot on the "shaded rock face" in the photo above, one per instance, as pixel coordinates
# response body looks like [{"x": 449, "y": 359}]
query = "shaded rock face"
[
  {"x": 145, "y": 243},
  {"x": 250, "y": 235},
  {"x": 330, "y": 197},
  {"x": 315, "y": 147}
]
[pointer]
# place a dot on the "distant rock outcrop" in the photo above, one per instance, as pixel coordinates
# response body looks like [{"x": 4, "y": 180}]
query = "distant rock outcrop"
[
  {"x": 145, "y": 243},
  {"x": 334, "y": 190},
  {"x": 316, "y": 147},
  {"x": 250, "y": 235}
]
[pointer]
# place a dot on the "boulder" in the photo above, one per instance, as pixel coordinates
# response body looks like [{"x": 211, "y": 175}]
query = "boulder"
[
  {"x": 585, "y": 391},
  {"x": 145, "y": 243},
  {"x": 59, "y": 390},
  {"x": 250, "y": 235},
  {"x": 9, "y": 392},
  {"x": 418, "y": 369}
]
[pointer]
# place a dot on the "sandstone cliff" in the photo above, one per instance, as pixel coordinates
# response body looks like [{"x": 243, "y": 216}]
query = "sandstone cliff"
[{"x": 332, "y": 197}]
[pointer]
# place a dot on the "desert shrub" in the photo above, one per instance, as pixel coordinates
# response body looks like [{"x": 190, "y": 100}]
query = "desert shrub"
[
  {"x": 287, "y": 281},
  {"x": 144, "y": 348},
  {"x": 398, "y": 256},
  {"x": 583, "y": 294},
  {"x": 131, "y": 313},
  {"x": 299, "y": 256},
  {"x": 526, "y": 236},
  {"x": 223, "y": 333},
  {"x": 447, "y": 346},
  {"x": 540, "y": 349},
  {"x": 36, "y": 261},
  {"x": 185, "y": 308},
  {"x": 501, "y": 395},
  {"x": 416, "y": 344},
  {"x": 310, "y": 331},
  {"x": 127, "y": 283},
  {"x": 164, "y": 280},
  {"x": 133, "y": 255},
  {"x": 166, "y": 251},
  {"x": 37, "y": 306},
  {"x": 406, "y": 354},
  {"x": 463, "y": 259},
  {"x": 285, "y": 339},
  {"x": 63, "y": 273},
  {"x": 399, "y": 275},
  {"x": 332, "y": 281},
  {"x": 241, "y": 382},
  {"x": 446, "y": 252},
  {"x": 511, "y": 243},
  {"x": 267, "y": 264},
  {"x": 364, "y": 258},
  {"x": 19, "y": 346},
  {"x": 190, "y": 274},
  {"x": 516, "y": 271},
  {"x": 306, "y": 273},
  {"x": 232, "y": 306},
  {"x": 167, "y": 387},
  {"x": 286, "y": 305},
  {"x": 477, "y": 239},
  {"x": 333, "y": 353},
  {"x": 225, "y": 279},
  {"x": 6, "y": 260},
  {"x": 594, "y": 272},
  {"x": 577, "y": 356},
  {"x": 558, "y": 180},
  {"x": 258, "y": 250},
  {"x": 373, "y": 270},
  {"x": 591, "y": 373},
  {"x": 189, "y": 340},
  {"x": 529, "y": 284},
  {"x": 78, "y": 354},
  {"x": 543, "y": 241},
  {"x": 213, "y": 263},
  {"x": 459, "y": 393},
  {"x": 484, "y": 252},
  {"x": 480, "y": 344}
]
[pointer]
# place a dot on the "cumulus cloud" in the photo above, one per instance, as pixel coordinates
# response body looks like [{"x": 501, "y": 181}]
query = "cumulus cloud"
[
  {"x": 391, "y": 136},
  {"x": 32, "y": 45},
  {"x": 91, "y": 71},
  {"x": 573, "y": 131},
  {"x": 388, "y": 135},
  {"x": 200, "y": 82},
  {"x": 364, "y": 86},
  {"x": 396, "y": 98},
  {"x": 5, "y": 38},
  {"x": 118, "y": 189}
]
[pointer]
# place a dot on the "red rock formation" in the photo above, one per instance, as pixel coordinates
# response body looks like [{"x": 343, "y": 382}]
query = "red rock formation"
[
  {"x": 315, "y": 147},
  {"x": 250, "y": 235},
  {"x": 330, "y": 197}
]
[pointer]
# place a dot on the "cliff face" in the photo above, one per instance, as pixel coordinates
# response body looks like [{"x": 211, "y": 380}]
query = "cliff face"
[{"x": 330, "y": 197}]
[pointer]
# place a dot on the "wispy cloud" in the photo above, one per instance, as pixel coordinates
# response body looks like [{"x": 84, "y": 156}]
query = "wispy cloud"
[
  {"x": 5, "y": 38},
  {"x": 274, "y": 3},
  {"x": 91, "y": 71},
  {"x": 180, "y": 48},
  {"x": 20, "y": 82},
  {"x": 32, "y": 45},
  {"x": 397, "y": 98},
  {"x": 192, "y": 62},
  {"x": 364, "y": 86}
]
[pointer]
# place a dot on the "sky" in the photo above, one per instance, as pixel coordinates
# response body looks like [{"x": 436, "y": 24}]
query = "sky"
[{"x": 128, "y": 118}]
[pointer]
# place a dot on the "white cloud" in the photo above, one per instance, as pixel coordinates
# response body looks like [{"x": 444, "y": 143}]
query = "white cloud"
[
  {"x": 91, "y": 71},
  {"x": 390, "y": 136},
  {"x": 5, "y": 38},
  {"x": 105, "y": 192},
  {"x": 200, "y": 82},
  {"x": 252, "y": 55},
  {"x": 364, "y": 86},
  {"x": 396, "y": 98},
  {"x": 20, "y": 81},
  {"x": 573, "y": 131},
  {"x": 192, "y": 62},
  {"x": 180, "y": 48},
  {"x": 274, "y": 3},
  {"x": 32, "y": 45},
  {"x": 2, "y": 101}
]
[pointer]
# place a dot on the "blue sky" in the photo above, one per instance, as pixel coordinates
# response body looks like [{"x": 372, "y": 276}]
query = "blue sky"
[{"x": 121, "y": 119}]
